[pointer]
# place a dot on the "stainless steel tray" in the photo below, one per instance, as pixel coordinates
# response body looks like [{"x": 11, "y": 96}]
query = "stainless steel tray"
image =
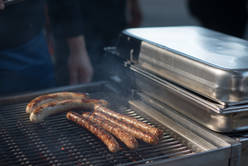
[
  {"x": 204, "y": 61},
  {"x": 209, "y": 114}
]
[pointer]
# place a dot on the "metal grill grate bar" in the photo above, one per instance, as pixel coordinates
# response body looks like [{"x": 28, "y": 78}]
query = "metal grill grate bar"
[{"x": 58, "y": 141}]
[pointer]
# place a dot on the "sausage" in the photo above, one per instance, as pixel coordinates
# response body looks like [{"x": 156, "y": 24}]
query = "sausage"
[
  {"x": 103, "y": 135},
  {"x": 122, "y": 135},
  {"x": 137, "y": 133},
  {"x": 54, "y": 107},
  {"x": 143, "y": 126},
  {"x": 36, "y": 102}
]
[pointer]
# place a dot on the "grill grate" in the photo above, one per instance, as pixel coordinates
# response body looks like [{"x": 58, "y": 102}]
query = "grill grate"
[{"x": 58, "y": 141}]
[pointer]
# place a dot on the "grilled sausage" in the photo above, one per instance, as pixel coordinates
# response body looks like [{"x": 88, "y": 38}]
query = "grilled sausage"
[
  {"x": 36, "y": 102},
  {"x": 51, "y": 108},
  {"x": 122, "y": 135},
  {"x": 137, "y": 133},
  {"x": 143, "y": 126},
  {"x": 103, "y": 135}
]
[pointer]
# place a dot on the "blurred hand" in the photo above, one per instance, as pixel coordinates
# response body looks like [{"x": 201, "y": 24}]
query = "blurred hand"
[
  {"x": 1, "y": 5},
  {"x": 79, "y": 64}
]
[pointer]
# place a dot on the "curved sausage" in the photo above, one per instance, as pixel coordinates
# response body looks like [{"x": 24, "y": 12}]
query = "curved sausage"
[
  {"x": 36, "y": 102},
  {"x": 122, "y": 135},
  {"x": 103, "y": 135},
  {"x": 55, "y": 107},
  {"x": 132, "y": 121},
  {"x": 137, "y": 133}
]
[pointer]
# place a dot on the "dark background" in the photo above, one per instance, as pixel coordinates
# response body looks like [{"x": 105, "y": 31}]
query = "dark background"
[{"x": 167, "y": 13}]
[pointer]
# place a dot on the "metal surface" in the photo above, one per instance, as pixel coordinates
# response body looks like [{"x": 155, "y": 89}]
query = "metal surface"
[
  {"x": 242, "y": 137},
  {"x": 188, "y": 129},
  {"x": 206, "y": 62},
  {"x": 244, "y": 151},
  {"x": 205, "y": 112},
  {"x": 58, "y": 141}
]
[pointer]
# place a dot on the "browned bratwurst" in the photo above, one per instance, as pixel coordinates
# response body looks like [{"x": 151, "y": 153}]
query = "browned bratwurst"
[
  {"x": 38, "y": 101},
  {"x": 143, "y": 126},
  {"x": 146, "y": 137},
  {"x": 103, "y": 135},
  {"x": 122, "y": 135},
  {"x": 51, "y": 108}
]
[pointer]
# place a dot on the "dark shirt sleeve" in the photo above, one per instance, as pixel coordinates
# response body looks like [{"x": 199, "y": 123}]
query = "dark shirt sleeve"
[{"x": 65, "y": 18}]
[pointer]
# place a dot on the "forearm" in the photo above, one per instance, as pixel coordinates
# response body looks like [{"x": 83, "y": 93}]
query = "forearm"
[
  {"x": 66, "y": 21},
  {"x": 77, "y": 45},
  {"x": 79, "y": 63}
]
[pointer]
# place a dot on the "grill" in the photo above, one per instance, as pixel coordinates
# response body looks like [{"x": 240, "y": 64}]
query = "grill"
[
  {"x": 58, "y": 141},
  {"x": 136, "y": 91},
  {"x": 209, "y": 78}
]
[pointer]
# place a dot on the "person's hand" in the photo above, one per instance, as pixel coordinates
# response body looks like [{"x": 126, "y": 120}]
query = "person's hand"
[
  {"x": 135, "y": 13},
  {"x": 1, "y": 5},
  {"x": 79, "y": 64}
]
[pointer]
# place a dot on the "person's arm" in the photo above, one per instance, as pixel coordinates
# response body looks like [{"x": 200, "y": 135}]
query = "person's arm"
[
  {"x": 79, "y": 64},
  {"x": 1, "y": 5},
  {"x": 67, "y": 23},
  {"x": 135, "y": 13}
]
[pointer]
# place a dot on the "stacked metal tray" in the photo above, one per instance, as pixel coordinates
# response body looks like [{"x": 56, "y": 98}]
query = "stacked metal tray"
[
  {"x": 207, "y": 62},
  {"x": 207, "y": 113},
  {"x": 201, "y": 73}
]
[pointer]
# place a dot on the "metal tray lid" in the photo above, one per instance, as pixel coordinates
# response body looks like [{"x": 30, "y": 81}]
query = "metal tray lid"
[
  {"x": 197, "y": 43},
  {"x": 210, "y": 63}
]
